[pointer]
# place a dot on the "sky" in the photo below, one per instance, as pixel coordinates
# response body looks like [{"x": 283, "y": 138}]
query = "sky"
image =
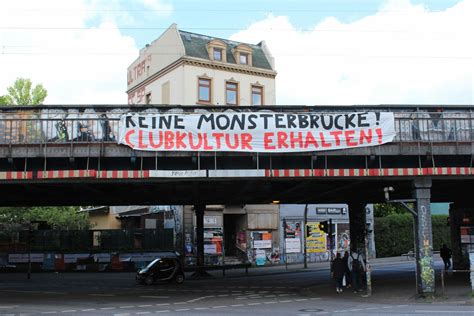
[{"x": 327, "y": 52}]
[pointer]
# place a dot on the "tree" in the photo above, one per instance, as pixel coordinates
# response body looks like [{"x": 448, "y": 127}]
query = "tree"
[
  {"x": 385, "y": 209},
  {"x": 61, "y": 218},
  {"x": 21, "y": 93}
]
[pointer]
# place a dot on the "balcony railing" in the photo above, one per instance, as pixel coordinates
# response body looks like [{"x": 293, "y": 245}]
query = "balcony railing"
[{"x": 65, "y": 126}]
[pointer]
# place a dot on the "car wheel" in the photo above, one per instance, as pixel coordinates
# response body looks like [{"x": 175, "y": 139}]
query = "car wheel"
[
  {"x": 179, "y": 278},
  {"x": 149, "y": 280}
]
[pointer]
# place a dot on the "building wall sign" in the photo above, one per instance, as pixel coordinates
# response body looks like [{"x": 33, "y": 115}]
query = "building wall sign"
[{"x": 255, "y": 131}]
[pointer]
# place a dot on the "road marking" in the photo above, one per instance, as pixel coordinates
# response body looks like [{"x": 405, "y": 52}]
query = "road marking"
[
  {"x": 69, "y": 311},
  {"x": 301, "y": 299},
  {"x": 163, "y": 311},
  {"x": 147, "y": 305},
  {"x": 8, "y": 306},
  {"x": 221, "y": 306},
  {"x": 182, "y": 309},
  {"x": 142, "y": 313},
  {"x": 162, "y": 304},
  {"x": 106, "y": 308},
  {"x": 180, "y": 303},
  {"x": 237, "y": 305},
  {"x": 444, "y": 312},
  {"x": 49, "y": 312},
  {"x": 370, "y": 308},
  {"x": 286, "y": 301},
  {"x": 251, "y": 304},
  {"x": 151, "y": 296},
  {"x": 88, "y": 310},
  {"x": 128, "y": 306},
  {"x": 355, "y": 309},
  {"x": 123, "y": 314},
  {"x": 201, "y": 308}
]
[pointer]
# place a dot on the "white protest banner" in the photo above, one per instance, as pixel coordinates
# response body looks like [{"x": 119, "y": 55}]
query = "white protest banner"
[{"x": 265, "y": 132}]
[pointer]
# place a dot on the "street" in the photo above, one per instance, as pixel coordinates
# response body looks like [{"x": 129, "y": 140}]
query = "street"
[{"x": 293, "y": 293}]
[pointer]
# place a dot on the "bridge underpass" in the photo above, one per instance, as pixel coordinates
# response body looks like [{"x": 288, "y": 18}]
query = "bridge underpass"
[{"x": 429, "y": 165}]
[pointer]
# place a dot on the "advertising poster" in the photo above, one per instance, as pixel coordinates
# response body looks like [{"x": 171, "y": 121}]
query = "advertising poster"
[
  {"x": 316, "y": 241},
  {"x": 293, "y": 245}
]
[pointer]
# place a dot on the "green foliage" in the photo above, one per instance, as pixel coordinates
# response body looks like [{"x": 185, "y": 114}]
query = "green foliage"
[
  {"x": 64, "y": 217},
  {"x": 384, "y": 209},
  {"x": 394, "y": 234},
  {"x": 21, "y": 93}
]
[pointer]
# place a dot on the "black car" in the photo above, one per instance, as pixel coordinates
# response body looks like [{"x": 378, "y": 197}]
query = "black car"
[{"x": 161, "y": 269}]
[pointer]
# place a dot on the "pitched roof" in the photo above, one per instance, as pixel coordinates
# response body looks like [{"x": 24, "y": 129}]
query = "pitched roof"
[{"x": 195, "y": 46}]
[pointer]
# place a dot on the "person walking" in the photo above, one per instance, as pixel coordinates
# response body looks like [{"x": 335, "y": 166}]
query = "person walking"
[
  {"x": 347, "y": 273},
  {"x": 357, "y": 266},
  {"x": 445, "y": 254},
  {"x": 338, "y": 269}
]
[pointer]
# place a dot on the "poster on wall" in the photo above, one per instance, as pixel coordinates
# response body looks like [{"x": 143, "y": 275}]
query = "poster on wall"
[
  {"x": 293, "y": 245},
  {"x": 264, "y": 132},
  {"x": 292, "y": 229},
  {"x": 262, "y": 240},
  {"x": 316, "y": 240},
  {"x": 260, "y": 257}
]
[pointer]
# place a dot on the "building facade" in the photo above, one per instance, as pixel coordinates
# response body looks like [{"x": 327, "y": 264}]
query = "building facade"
[{"x": 187, "y": 69}]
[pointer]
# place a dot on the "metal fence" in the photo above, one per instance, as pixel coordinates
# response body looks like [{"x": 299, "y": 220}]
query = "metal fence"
[
  {"x": 63, "y": 127},
  {"x": 97, "y": 240}
]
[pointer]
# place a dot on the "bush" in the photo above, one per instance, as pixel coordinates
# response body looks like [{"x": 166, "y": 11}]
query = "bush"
[{"x": 394, "y": 234}]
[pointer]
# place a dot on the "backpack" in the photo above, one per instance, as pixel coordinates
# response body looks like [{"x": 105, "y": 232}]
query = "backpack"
[{"x": 356, "y": 266}]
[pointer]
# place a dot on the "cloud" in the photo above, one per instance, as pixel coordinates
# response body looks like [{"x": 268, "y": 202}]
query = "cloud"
[
  {"x": 158, "y": 6},
  {"x": 402, "y": 54},
  {"x": 51, "y": 42}
]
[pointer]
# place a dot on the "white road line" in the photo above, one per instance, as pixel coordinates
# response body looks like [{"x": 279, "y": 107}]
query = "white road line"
[
  {"x": 88, "y": 310},
  {"x": 355, "y": 309},
  {"x": 444, "y": 312},
  {"x": 69, "y": 311},
  {"x": 8, "y": 306},
  {"x": 301, "y": 299},
  {"x": 220, "y": 306},
  {"x": 201, "y": 308},
  {"x": 286, "y": 301},
  {"x": 52, "y": 312},
  {"x": 237, "y": 305},
  {"x": 128, "y": 306},
  {"x": 151, "y": 296},
  {"x": 370, "y": 308},
  {"x": 163, "y": 311},
  {"x": 180, "y": 303},
  {"x": 143, "y": 313},
  {"x": 251, "y": 304},
  {"x": 107, "y": 308},
  {"x": 162, "y": 304},
  {"x": 182, "y": 309},
  {"x": 271, "y": 302},
  {"x": 147, "y": 305}
]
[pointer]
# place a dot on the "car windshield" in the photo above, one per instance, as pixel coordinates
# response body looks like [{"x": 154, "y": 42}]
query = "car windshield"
[{"x": 151, "y": 264}]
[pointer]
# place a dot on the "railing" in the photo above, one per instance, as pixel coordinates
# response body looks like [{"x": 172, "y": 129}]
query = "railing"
[{"x": 62, "y": 127}]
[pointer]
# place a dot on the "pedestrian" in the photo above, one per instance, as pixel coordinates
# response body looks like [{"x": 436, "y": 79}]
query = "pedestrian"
[
  {"x": 445, "y": 254},
  {"x": 347, "y": 273},
  {"x": 357, "y": 266},
  {"x": 338, "y": 269}
]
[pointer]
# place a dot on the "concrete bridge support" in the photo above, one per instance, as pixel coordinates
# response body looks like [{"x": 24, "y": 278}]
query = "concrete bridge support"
[
  {"x": 199, "y": 210},
  {"x": 423, "y": 237}
]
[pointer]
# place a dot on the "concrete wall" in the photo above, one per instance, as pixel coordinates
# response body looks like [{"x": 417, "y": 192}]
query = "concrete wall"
[{"x": 104, "y": 221}]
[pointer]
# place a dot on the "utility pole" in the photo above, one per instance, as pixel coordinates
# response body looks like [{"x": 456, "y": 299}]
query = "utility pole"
[
  {"x": 30, "y": 240},
  {"x": 304, "y": 235},
  {"x": 284, "y": 243},
  {"x": 330, "y": 240},
  {"x": 367, "y": 264}
]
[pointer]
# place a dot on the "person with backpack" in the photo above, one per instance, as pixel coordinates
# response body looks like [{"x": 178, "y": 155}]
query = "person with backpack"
[{"x": 357, "y": 267}]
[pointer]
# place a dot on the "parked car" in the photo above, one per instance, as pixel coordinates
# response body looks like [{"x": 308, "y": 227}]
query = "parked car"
[{"x": 160, "y": 270}]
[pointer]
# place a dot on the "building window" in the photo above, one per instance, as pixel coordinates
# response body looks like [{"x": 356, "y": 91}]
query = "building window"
[
  {"x": 231, "y": 93},
  {"x": 204, "y": 90},
  {"x": 148, "y": 98},
  {"x": 257, "y": 95},
  {"x": 217, "y": 53},
  {"x": 244, "y": 58}
]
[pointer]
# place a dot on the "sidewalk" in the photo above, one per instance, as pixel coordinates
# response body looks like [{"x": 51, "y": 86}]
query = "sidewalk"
[{"x": 386, "y": 289}]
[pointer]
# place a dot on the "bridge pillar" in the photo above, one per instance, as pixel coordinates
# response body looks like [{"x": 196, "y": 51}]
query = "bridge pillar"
[
  {"x": 458, "y": 211},
  {"x": 423, "y": 236},
  {"x": 199, "y": 211}
]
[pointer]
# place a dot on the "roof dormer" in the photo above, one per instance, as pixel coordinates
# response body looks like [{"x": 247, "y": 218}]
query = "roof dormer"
[
  {"x": 217, "y": 50},
  {"x": 243, "y": 54}
]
